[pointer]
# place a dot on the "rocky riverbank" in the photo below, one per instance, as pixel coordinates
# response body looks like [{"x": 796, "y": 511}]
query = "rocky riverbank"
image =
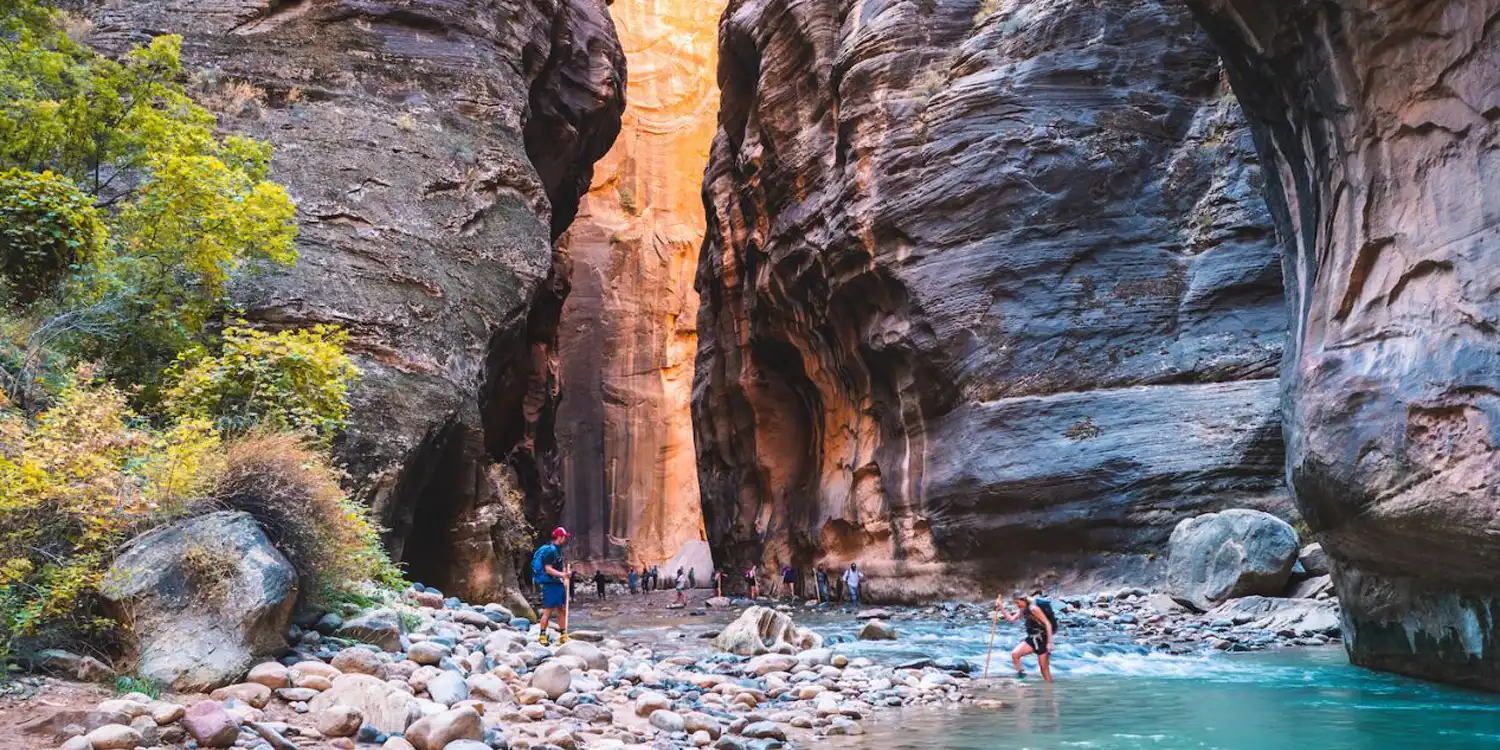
[{"x": 434, "y": 673}]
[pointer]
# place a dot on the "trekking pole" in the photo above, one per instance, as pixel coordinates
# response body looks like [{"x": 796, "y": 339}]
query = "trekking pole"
[
  {"x": 567, "y": 598},
  {"x": 994, "y": 625}
]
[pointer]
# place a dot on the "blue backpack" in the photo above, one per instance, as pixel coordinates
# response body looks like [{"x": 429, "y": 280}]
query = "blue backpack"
[{"x": 539, "y": 563}]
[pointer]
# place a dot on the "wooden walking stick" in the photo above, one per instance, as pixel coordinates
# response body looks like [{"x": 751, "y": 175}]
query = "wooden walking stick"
[
  {"x": 567, "y": 599},
  {"x": 995, "y": 625}
]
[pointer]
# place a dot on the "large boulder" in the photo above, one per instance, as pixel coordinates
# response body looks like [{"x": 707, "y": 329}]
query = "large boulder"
[
  {"x": 760, "y": 630},
  {"x": 204, "y": 599},
  {"x": 382, "y": 706},
  {"x": 1220, "y": 556}
]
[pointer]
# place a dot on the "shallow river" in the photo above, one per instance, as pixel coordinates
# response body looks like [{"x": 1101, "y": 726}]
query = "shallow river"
[{"x": 1114, "y": 696}]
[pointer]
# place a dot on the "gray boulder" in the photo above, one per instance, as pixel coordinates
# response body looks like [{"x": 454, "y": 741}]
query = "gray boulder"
[
  {"x": 1314, "y": 560},
  {"x": 205, "y": 599},
  {"x": 378, "y": 627},
  {"x": 1301, "y": 617},
  {"x": 1234, "y": 553},
  {"x": 760, "y": 630},
  {"x": 877, "y": 630}
]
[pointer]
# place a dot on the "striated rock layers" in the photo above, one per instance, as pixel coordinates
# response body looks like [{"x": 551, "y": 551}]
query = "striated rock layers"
[
  {"x": 1379, "y": 119},
  {"x": 435, "y": 148},
  {"x": 627, "y": 337},
  {"x": 988, "y": 289}
]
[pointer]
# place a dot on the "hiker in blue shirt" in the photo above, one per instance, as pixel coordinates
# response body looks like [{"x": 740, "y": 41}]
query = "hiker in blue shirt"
[{"x": 548, "y": 569}]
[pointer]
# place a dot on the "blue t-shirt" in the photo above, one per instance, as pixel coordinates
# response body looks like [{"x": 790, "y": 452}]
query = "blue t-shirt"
[{"x": 551, "y": 556}]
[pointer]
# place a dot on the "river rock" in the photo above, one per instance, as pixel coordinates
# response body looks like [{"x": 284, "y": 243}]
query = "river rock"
[
  {"x": 383, "y": 707},
  {"x": 253, "y": 693},
  {"x": 271, "y": 674},
  {"x": 590, "y": 654},
  {"x": 552, "y": 677},
  {"x": 210, "y": 725},
  {"x": 759, "y": 630},
  {"x": 1294, "y": 616},
  {"x": 764, "y": 730},
  {"x": 1319, "y": 587},
  {"x": 666, "y": 721},
  {"x": 73, "y": 666},
  {"x": 1314, "y": 560},
  {"x": 650, "y": 702},
  {"x": 114, "y": 737},
  {"x": 877, "y": 630},
  {"x": 428, "y": 652},
  {"x": 359, "y": 661},
  {"x": 448, "y": 688},
  {"x": 765, "y": 664},
  {"x": 1235, "y": 553},
  {"x": 379, "y": 627},
  {"x": 438, "y": 731},
  {"x": 189, "y": 632},
  {"x": 339, "y": 721}
]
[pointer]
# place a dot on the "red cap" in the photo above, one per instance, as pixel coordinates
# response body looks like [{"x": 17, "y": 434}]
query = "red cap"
[{"x": 560, "y": 532}]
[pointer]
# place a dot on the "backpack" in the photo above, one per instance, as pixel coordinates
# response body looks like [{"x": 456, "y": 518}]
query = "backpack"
[
  {"x": 1045, "y": 605},
  {"x": 539, "y": 563}
]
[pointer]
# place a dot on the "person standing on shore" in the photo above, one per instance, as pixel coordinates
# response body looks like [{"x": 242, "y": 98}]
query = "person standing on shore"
[
  {"x": 822, "y": 580},
  {"x": 631, "y": 578},
  {"x": 599, "y": 582},
  {"x": 789, "y": 581},
  {"x": 852, "y": 578},
  {"x": 750, "y": 588},
  {"x": 1039, "y": 632},
  {"x": 549, "y": 570},
  {"x": 692, "y": 578}
]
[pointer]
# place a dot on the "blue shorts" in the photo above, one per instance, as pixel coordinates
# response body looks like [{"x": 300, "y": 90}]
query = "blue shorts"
[{"x": 554, "y": 595}]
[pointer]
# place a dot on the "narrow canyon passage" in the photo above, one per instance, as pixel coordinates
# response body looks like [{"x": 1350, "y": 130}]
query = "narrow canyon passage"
[{"x": 627, "y": 336}]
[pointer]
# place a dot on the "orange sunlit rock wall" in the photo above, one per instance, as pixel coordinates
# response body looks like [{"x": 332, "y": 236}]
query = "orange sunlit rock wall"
[{"x": 628, "y": 334}]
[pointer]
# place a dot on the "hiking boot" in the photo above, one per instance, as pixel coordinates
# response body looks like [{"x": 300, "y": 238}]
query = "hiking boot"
[
  {"x": 562, "y": 639},
  {"x": 542, "y": 639},
  {"x": 1020, "y": 675}
]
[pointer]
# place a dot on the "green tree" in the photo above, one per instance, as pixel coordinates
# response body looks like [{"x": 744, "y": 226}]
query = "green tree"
[
  {"x": 48, "y": 229},
  {"x": 185, "y": 208},
  {"x": 290, "y": 380}
]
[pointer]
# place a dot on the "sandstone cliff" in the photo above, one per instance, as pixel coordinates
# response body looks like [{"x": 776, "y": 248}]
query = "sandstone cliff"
[
  {"x": 988, "y": 289},
  {"x": 435, "y": 148},
  {"x": 627, "y": 336},
  {"x": 1381, "y": 118}
]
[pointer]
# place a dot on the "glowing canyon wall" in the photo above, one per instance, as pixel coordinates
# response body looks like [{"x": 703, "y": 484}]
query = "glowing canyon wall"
[{"x": 628, "y": 332}]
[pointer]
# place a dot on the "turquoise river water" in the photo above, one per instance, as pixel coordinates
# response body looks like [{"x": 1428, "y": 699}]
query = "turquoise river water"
[{"x": 1115, "y": 696}]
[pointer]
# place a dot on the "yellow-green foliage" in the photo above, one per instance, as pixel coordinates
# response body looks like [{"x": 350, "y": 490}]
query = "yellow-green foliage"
[
  {"x": 48, "y": 229},
  {"x": 294, "y": 494},
  {"x": 295, "y": 380},
  {"x": 184, "y": 207},
  {"x": 74, "y": 483}
]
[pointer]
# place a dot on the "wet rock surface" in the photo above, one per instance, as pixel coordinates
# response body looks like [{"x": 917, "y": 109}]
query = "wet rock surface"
[
  {"x": 983, "y": 293},
  {"x": 1380, "y": 119},
  {"x": 435, "y": 150}
]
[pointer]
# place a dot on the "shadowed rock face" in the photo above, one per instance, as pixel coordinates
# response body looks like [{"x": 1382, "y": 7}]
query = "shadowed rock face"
[
  {"x": 435, "y": 149},
  {"x": 1380, "y": 116},
  {"x": 627, "y": 337},
  {"x": 988, "y": 288}
]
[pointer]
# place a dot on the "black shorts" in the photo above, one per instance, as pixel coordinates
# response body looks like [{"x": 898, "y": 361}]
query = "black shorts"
[{"x": 1038, "y": 642}]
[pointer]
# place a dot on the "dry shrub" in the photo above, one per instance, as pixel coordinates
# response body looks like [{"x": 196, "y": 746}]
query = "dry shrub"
[{"x": 293, "y": 493}]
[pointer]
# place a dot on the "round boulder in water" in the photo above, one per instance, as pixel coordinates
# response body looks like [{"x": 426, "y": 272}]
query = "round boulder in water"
[{"x": 1220, "y": 556}]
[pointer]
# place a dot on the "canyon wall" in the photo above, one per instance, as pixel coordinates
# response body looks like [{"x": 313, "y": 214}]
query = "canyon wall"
[
  {"x": 1379, "y": 122},
  {"x": 628, "y": 336},
  {"x": 988, "y": 291},
  {"x": 436, "y": 149}
]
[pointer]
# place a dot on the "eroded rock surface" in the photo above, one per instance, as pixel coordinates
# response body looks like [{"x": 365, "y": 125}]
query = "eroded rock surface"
[
  {"x": 435, "y": 149},
  {"x": 988, "y": 289},
  {"x": 628, "y": 335},
  {"x": 1380, "y": 119}
]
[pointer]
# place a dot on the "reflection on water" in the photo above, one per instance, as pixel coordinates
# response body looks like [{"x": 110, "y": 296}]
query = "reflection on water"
[{"x": 1269, "y": 701}]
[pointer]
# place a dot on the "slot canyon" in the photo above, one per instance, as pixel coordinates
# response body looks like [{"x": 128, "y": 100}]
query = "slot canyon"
[{"x": 975, "y": 293}]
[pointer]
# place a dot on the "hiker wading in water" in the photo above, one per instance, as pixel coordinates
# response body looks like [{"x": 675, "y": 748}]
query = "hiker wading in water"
[
  {"x": 1040, "y": 628},
  {"x": 547, "y": 569}
]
